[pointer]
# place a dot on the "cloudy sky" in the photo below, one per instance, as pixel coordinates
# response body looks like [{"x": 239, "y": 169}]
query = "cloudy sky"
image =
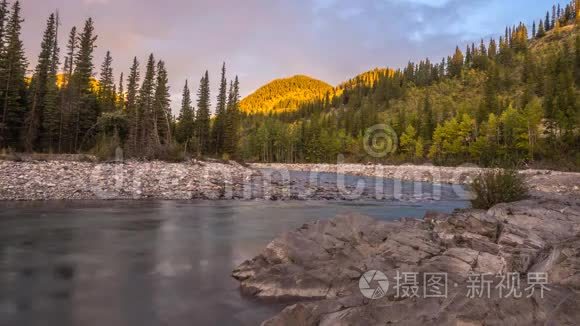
[{"x": 260, "y": 40}]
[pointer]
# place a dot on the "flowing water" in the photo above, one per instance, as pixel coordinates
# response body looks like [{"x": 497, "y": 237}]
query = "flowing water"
[{"x": 152, "y": 262}]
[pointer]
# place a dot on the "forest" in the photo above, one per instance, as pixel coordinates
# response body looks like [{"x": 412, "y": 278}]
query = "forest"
[
  {"x": 513, "y": 100},
  {"x": 72, "y": 108},
  {"x": 510, "y": 101}
]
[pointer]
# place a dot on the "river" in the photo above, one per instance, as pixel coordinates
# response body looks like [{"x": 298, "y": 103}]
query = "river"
[{"x": 152, "y": 262}]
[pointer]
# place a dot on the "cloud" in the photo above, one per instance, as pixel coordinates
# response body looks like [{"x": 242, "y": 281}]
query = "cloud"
[{"x": 429, "y": 3}]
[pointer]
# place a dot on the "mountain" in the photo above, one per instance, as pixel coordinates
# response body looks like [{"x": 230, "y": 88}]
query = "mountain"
[{"x": 286, "y": 94}]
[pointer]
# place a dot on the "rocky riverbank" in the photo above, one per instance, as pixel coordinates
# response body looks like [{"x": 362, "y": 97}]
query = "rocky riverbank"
[
  {"x": 70, "y": 180},
  {"x": 501, "y": 254},
  {"x": 543, "y": 183},
  {"x": 67, "y": 178}
]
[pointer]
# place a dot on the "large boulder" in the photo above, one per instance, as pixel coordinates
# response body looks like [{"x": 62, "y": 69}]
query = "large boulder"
[{"x": 321, "y": 264}]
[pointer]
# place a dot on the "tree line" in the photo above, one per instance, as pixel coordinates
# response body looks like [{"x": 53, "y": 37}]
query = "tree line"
[
  {"x": 505, "y": 101},
  {"x": 64, "y": 107}
]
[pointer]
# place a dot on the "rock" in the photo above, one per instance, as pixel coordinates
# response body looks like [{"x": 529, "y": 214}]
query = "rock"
[{"x": 323, "y": 262}]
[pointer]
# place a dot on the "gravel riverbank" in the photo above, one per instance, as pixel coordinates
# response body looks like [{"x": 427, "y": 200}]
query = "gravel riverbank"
[{"x": 74, "y": 180}]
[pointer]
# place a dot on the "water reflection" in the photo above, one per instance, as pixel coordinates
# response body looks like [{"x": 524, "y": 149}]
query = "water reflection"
[{"x": 147, "y": 263}]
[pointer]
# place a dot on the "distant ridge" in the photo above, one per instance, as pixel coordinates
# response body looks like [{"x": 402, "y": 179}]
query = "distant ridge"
[{"x": 285, "y": 94}]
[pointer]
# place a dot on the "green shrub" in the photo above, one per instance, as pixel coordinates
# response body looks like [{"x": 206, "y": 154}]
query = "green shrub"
[
  {"x": 498, "y": 186},
  {"x": 170, "y": 153},
  {"x": 106, "y": 148}
]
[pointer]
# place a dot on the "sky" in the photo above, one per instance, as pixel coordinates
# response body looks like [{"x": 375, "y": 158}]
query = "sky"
[{"x": 261, "y": 40}]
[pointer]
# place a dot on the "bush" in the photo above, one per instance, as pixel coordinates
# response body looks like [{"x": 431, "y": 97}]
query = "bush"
[
  {"x": 498, "y": 186},
  {"x": 170, "y": 153},
  {"x": 106, "y": 148}
]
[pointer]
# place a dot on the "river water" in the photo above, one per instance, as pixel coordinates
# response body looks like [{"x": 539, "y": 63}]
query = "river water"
[{"x": 152, "y": 262}]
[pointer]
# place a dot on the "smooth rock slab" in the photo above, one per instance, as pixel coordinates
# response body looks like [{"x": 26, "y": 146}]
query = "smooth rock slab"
[{"x": 323, "y": 261}]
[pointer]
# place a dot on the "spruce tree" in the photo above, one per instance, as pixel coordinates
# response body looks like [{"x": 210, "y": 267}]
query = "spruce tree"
[
  {"x": 541, "y": 30},
  {"x": 547, "y": 25},
  {"x": 554, "y": 17},
  {"x": 162, "y": 106},
  {"x": 456, "y": 63},
  {"x": 185, "y": 126},
  {"x": 220, "y": 117},
  {"x": 202, "y": 123},
  {"x": 65, "y": 139},
  {"x": 39, "y": 86},
  {"x": 492, "y": 51},
  {"x": 132, "y": 145},
  {"x": 106, "y": 84},
  {"x": 85, "y": 107},
  {"x": 232, "y": 120},
  {"x": 12, "y": 82},
  {"x": 51, "y": 125},
  {"x": 147, "y": 133},
  {"x": 120, "y": 98}
]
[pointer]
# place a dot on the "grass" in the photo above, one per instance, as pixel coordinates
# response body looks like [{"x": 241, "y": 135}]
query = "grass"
[{"x": 498, "y": 186}]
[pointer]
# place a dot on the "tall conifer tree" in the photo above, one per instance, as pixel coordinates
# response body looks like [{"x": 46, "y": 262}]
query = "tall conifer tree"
[
  {"x": 12, "y": 82},
  {"x": 185, "y": 126},
  {"x": 85, "y": 105},
  {"x": 146, "y": 132},
  {"x": 50, "y": 138},
  {"x": 39, "y": 86},
  {"x": 133, "y": 81},
  {"x": 162, "y": 106},
  {"x": 202, "y": 123},
  {"x": 106, "y": 84},
  {"x": 220, "y": 117}
]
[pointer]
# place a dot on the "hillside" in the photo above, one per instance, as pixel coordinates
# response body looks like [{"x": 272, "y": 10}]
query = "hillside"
[
  {"x": 367, "y": 78},
  {"x": 508, "y": 101},
  {"x": 284, "y": 94}
]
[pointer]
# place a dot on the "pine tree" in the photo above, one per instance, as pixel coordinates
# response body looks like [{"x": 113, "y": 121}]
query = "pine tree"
[
  {"x": 534, "y": 30},
  {"x": 541, "y": 30},
  {"x": 106, "y": 84},
  {"x": 492, "y": 51},
  {"x": 482, "y": 49},
  {"x": 12, "y": 82},
  {"x": 51, "y": 126},
  {"x": 547, "y": 25},
  {"x": 233, "y": 119},
  {"x": 220, "y": 118},
  {"x": 65, "y": 139},
  {"x": 456, "y": 64},
  {"x": 185, "y": 126},
  {"x": 132, "y": 145},
  {"x": 39, "y": 87},
  {"x": 468, "y": 59},
  {"x": 120, "y": 98},
  {"x": 428, "y": 122},
  {"x": 147, "y": 133},
  {"x": 162, "y": 106},
  {"x": 85, "y": 106},
  {"x": 202, "y": 117},
  {"x": 554, "y": 17}
]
